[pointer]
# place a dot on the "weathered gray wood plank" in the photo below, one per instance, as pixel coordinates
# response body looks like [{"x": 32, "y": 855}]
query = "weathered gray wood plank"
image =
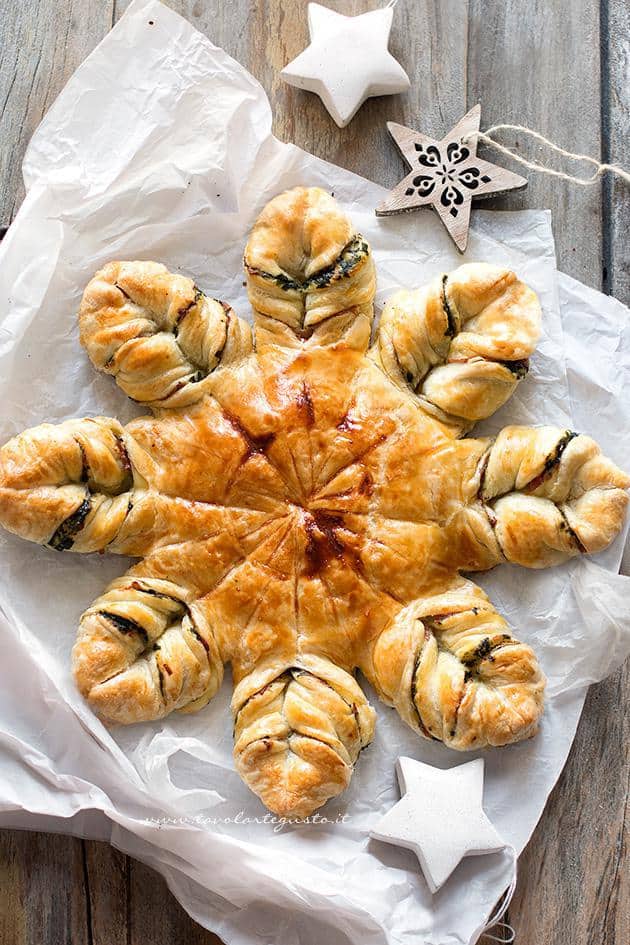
[
  {"x": 605, "y": 699},
  {"x": 616, "y": 121},
  {"x": 538, "y": 65},
  {"x": 42, "y": 43},
  {"x": 535, "y": 64},
  {"x": 43, "y": 895}
]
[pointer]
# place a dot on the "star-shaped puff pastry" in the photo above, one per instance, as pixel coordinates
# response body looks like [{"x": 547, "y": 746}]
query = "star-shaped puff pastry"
[{"x": 302, "y": 503}]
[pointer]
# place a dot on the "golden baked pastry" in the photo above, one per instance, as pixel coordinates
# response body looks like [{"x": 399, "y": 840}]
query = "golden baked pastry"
[{"x": 303, "y": 506}]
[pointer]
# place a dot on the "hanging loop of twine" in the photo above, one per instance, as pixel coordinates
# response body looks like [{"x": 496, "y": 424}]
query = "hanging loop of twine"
[
  {"x": 508, "y": 938},
  {"x": 508, "y": 934},
  {"x": 486, "y": 137}
]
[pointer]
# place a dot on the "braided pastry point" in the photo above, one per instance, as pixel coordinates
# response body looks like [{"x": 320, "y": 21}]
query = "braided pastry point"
[
  {"x": 143, "y": 650},
  {"x": 68, "y": 486},
  {"x": 549, "y": 494},
  {"x": 305, "y": 265},
  {"x": 303, "y": 506},
  {"x": 297, "y": 737},
  {"x": 157, "y": 333},
  {"x": 461, "y": 343},
  {"x": 453, "y": 670}
]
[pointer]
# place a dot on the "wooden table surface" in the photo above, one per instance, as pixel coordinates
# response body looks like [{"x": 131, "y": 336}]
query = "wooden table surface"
[{"x": 560, "y": 68}]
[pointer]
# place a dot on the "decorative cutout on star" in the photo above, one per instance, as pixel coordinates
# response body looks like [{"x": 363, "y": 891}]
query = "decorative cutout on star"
[
  {"x": 446, "y": 175},
  {"x": 347, "y": 60},
  {"x": 440, "y": 817}
]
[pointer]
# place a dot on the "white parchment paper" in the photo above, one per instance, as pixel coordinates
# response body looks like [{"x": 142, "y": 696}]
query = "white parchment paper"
[{"x": 160, "y": 147}]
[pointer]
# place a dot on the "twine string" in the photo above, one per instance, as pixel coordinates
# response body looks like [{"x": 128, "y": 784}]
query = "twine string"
[
  {"x": 495, "y": 917},
  {"x": 508, "y": 938},
  {"x": 600, "y": 168}
]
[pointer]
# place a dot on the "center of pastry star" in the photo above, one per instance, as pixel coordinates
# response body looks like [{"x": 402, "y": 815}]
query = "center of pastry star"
[{"x": 318, "y": 487}]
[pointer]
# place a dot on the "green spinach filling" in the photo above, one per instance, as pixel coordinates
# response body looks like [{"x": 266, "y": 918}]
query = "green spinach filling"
[
  {"x": 126, "y": 626},
  {"x": 350, "y": 257},
  {"x": 64, "y": 536},
  {"x": 451, "y": 319}
]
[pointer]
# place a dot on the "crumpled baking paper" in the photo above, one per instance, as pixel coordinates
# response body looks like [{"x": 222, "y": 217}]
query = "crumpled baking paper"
[{"x": 160, "y": 147}]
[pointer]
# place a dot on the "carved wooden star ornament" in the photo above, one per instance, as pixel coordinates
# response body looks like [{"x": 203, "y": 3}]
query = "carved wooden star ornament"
[
  {"x": 439, "y": 817},
  {"x": 446, "y": 175}
]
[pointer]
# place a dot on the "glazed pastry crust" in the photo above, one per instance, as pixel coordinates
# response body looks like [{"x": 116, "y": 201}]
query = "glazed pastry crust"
[
  {"x": 305, "y": 264},
  {"x": 462, "y": 343},
  {"x": 455, "y": 672},
  {"x": 302, "y": 506},
  {"x": 157, "y": 333}
]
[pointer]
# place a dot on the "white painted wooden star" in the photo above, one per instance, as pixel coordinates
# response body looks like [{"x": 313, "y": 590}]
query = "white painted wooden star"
[
  {"x": 347, "y": 60},
  {"x": 446, "y": 175},
  {"x": 440, "y": 817}
]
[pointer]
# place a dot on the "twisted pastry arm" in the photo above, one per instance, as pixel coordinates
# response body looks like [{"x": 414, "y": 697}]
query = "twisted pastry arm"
[
  {"x": 144, "y": 648},
  {"x": 452, "y": 669},
  {"x": 462, "y": 342},
  {"x": 157, "y": 333},
  {"x": 545, "y": 495},
  {"x": 68, "y": 486},
  {"x": 75, "y": 486},
  {"x": 305, "y": 266},
  {"x": 298, "y": 733}
]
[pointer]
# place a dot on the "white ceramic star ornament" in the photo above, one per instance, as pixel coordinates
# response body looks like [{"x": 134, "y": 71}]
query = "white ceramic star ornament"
[
  {"x": 347, "y": 60},
  {"x": 440, "y": 817}
]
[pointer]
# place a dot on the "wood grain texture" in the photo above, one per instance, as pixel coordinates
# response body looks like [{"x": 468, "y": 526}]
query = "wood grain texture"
[
  {"x": 41, "y": 44},
  {"x": 43, "y": 898},
  {"x": 157, "y": 918},
  {"x": 579, "y": 850},
  {"x": 538, "y": 65},
  {"x": 615, "y": 47},
  {"x": 560, "y": 68},
  {"x": 108, "y": 878}
]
